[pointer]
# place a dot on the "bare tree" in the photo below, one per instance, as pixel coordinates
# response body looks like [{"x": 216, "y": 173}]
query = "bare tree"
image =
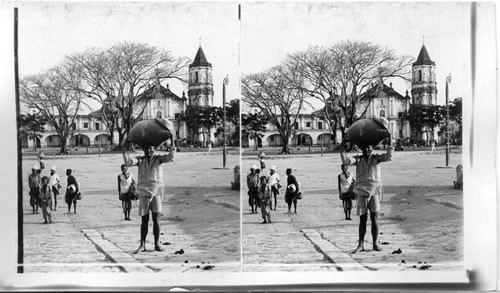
[
  {"x": 340, "y": 75},
  {"x": 52, "y": 94},
  {"x": 276, "y": 97},
  {"x": 119, "y": 77}
]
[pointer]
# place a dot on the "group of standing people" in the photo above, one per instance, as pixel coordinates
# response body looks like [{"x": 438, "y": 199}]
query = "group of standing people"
[
  {"x": 44, "y": 190},
  {"x": 263, "y": 190}
]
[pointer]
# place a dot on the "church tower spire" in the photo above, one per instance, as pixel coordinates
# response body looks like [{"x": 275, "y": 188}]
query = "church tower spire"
[
  {"x": 424, "y": 86},
  {"x": 200, "y": 86}
]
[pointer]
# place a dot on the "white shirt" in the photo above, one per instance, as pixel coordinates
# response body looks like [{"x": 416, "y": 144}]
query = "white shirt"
[
  {"x": 345, "y": 183},
  {"x": 273, "y": 179},
  {"x": 54, "y": 179},
  {"x": 125, "y": 183}
]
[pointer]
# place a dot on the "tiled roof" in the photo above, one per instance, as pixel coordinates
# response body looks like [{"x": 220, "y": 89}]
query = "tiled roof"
[
  {"x": 200, "y": 59},
  {"x": 386, "y": 89},
  {"x": 165, "y": 91},
  {"x": 423, "y": 58}
]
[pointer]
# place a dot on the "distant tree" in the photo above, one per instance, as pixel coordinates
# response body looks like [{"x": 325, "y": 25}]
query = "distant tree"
[
  {"x": 32, "y": 126},
  {"x": 254, "y": 126},
  {"x": 425, "y": 118},
  {"x": 455, "y": 109},
  {"x": 233, "y": 116},
  {"x": 200, "y": 120},
  {"x": 339, "y": 75},
  {"x": 52, "y": 94},
  {"x": 276, "y": 95},
  {"x": 117, "y": 77}
]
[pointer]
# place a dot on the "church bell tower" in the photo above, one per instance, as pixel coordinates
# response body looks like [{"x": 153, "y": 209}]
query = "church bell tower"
[
  {"x": 200, "y": 86},
  {"x": 424, "y": 88}
]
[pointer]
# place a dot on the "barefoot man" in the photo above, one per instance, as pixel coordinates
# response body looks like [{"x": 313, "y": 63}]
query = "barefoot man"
[
  {"x": 368, "y": 188},
  {"x": 150, "y": 189}
]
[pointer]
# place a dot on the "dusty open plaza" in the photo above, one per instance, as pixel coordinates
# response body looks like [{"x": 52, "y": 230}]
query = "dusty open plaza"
[
  {"x": 421, "y": 218},
  {"x": 200, "y": 222}
]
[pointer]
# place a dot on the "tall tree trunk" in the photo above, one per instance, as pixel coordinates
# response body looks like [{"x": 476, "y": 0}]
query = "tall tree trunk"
[
  {"x": 64, "y": 145},
  {"x": 285, "y": 149}
]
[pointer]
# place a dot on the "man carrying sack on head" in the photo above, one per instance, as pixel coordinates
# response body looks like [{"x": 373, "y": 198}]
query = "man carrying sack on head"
[{"x": 150, "y": 187}]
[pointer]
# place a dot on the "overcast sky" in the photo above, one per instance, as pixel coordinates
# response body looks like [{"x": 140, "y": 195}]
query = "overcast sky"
[
  {"x": 268, "y": 31},
  {"x": 50, "y": 31}
]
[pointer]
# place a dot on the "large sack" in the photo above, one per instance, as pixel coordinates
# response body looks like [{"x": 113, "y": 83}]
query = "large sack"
[
  {"x": 150, "y": 132},
  {"x": 371, "y": 131}
]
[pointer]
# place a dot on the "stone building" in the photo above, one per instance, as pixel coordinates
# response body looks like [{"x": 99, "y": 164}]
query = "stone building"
[
  {"x": 90, "y": 129},
  {"x": 384, "y": 101}
]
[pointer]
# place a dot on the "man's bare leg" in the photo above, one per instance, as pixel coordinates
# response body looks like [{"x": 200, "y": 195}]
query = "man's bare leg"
[
  {"x": 156, "y": 232},
  {"x": 374, "y": 220},
  {"x": 144, "y": 233},
  {"x": 362, "y": 231}
]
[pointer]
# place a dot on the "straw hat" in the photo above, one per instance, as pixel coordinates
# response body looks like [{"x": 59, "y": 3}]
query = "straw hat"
[
  {"x": 34, "y": 167},
  {"x": 253, "y": 167},
  {"x": 52, "y": 168},
  {"x": 273, "y": 167}
]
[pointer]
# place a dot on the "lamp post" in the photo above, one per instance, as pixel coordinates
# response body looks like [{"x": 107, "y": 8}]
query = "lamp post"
[
  {"x": 224, "y": 83},
  {"x": 448, "y": 81}
]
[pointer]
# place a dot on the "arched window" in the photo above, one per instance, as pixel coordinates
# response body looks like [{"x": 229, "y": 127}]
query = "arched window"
[
  {"x": 158, "y": 114},
  {"x": 382, "y": 113}
]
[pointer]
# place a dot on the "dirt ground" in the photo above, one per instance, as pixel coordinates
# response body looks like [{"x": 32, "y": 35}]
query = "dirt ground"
[
  {"x": 421, "y": 215},
  {"x": 200, "y": 216}
]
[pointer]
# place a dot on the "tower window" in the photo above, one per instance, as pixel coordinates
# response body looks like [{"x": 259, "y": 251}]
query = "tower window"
[
  {"x": 159, "y": 104},
  {"x": 196, "y": 77},
  {"x": 420, "y": 75}
]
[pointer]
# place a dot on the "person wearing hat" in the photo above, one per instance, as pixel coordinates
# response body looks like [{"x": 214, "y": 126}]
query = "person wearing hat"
[
  {"x": 72, "y": 191},
  {"x": 253, "y": 188},
  {"x": 274, "y": 182},
  {"x": 150, "y": 189},
  {"x": 34, "y": 182},
  {"x": 54, "y": 185}
]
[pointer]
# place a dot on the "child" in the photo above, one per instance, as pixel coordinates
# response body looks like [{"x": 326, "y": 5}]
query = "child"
[
  {"x": 261, "y": 156},
  {"x": 346, "y": 180},
  {"x": 274, "y": 181},
  {"x": 292, "y": 191},
  {"x": 46, "y": 199},
  {"x": 265, "y": 200},
  {"x": 125, "y": 194}
]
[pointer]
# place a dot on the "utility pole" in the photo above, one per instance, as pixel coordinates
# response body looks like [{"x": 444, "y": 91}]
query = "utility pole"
[
  {"x": 448, "y": 81},
  {"x": 224, "y": 83}
]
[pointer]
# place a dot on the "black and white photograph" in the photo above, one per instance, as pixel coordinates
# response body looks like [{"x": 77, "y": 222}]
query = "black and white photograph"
[
  {"x": 128, "y": 151},
  {"x": 243, "y": 146},
  {"x": 352, "y": 136}
]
